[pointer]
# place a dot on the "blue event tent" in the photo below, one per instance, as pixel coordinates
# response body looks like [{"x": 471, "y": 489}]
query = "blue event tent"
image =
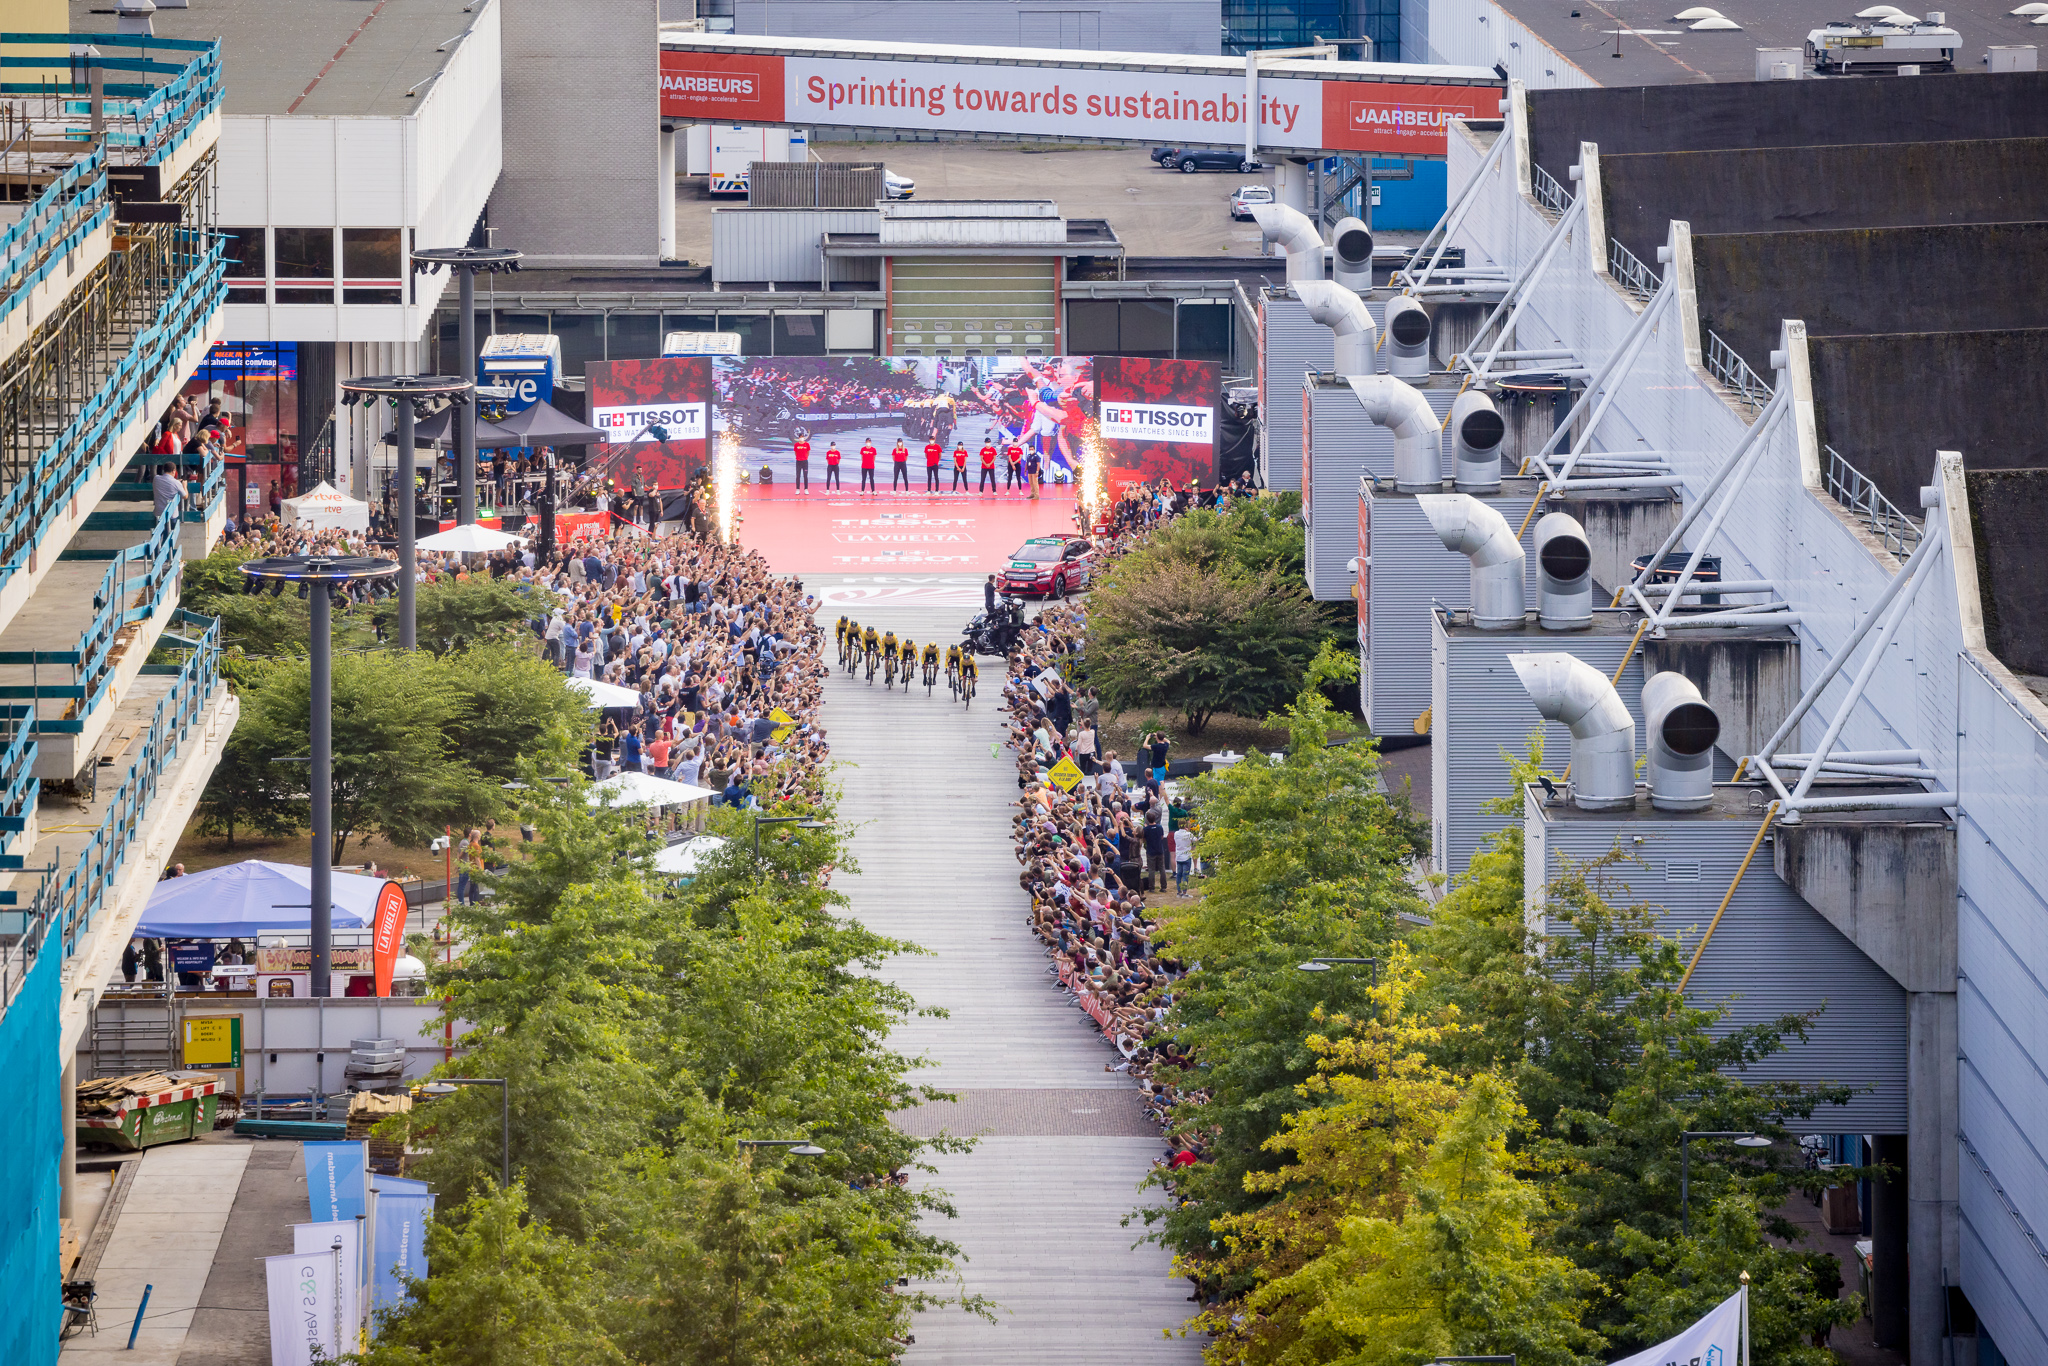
[{"x": 242, "y": 898}]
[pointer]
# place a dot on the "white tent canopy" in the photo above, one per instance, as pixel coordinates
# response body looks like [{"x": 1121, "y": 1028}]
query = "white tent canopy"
[
  {"x": 469, "y": 537},
  {"x": 643, "y": 789},
  {"x": 602, "y": 694},
  {"x": 325, "y": 508},
  {"x": 683, "y": 859}
]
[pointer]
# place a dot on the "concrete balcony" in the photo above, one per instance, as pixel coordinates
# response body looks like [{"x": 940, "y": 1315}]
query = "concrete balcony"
[{"x": 107, "y": 600}]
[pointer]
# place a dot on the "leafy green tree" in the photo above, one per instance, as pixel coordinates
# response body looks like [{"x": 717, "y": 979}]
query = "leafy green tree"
[
  {"x": 1185, "y": 622},
  {"x": 394, "y": 770},
  {"x": 513, "y": 710},
  {"x": 459, "y": 614},
  {"x": 505, "y": 1290},
  {"x": 1311, "y": 860},
  {"x": 1458, "y": 1271}
]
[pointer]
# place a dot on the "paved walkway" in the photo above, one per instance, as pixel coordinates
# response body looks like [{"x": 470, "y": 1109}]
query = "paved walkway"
[{"x": 1042, "y": 1196}]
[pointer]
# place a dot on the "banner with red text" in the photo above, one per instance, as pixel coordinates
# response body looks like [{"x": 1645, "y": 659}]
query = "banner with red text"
[{"x": 974, "y": 94}]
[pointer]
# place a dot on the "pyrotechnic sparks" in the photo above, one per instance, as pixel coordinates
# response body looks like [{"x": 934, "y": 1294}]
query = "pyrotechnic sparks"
[
  {"x": 1091, "y": 474},
  {"x": 725, "y": 483}
]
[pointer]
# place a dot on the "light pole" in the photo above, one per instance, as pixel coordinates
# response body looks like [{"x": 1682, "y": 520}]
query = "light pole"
[
  {"x": 797, "y": 1147},
  {"x": 414, "y": 395},
  {"x": 445, "y": 1086},
  {"x": 800, "y": 822},
  {"x": 320, "y": 574},
  {"x": 1744, "y": 1138},
  {"x": 1325, "y": 965},
  {"x": 467, "y": 263}
]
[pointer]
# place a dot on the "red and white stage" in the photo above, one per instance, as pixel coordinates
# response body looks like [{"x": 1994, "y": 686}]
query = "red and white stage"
[{"x": 919, "y": 533}]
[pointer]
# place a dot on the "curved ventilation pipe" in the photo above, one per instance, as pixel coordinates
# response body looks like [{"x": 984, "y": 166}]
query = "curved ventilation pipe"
[
  {"x": 1477, "y": 531},
  {"x": 1575, "y": 693},
  {"x": 1351, "y": 255},
  {"x": 1345, "y": 314},
  {"x": 1476, "y": 431},
  {"x": 1564, "y": 574},
  {"x": 1296, "y": 233},
  {"x": 1418, "y": 436},
  {"x": 1682, "y": 729},
  {"x": 1407, "y": 339}
]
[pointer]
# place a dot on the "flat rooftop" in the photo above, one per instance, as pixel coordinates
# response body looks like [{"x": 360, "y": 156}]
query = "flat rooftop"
[
  {"x": 1657, "y": 50},
  {"x": 315, "y": 57},
  {"x": 1745, "y": 802}
]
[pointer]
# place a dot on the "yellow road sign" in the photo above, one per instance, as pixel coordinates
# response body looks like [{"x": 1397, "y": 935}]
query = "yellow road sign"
[{"x": 1066, "y": 773}]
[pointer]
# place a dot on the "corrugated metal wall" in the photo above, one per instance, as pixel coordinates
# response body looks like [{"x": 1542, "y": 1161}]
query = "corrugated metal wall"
[
  {"x": 1478, "y": 708},
  {"x": 1194, "y": 27},
  {"x": 1293, "y": 346},
  {"x": 31, "y": 1145},
  {"x": 1772, "y": 954},
  {"x": 778, "y": 245},
  {"x": 1409, "y": 568},
  {"x": 1348, "y": 446},
  {"x": 983, "y": 302}
]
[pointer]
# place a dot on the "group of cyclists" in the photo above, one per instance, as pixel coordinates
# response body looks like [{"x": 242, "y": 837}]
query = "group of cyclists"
[{"x": 862, "y": 647}]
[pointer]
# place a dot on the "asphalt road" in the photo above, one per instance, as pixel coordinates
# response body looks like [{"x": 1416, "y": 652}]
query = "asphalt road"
[{"x": 1154, "y": 212}]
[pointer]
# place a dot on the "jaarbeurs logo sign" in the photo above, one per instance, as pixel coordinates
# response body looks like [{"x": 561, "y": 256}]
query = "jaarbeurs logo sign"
[
  {"x": 1158, "y": 422},
  {"x": 682, "y": 421},
  {"x": 1368, "y": 116},
  {"x": 738, "y": 87}
]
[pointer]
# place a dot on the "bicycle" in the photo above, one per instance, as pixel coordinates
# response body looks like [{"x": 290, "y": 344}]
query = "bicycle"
[
  {"x": 967, "y": 688},
  {"x": 931, "y": 675},
  {"x": 874, "y": 659},
  {"x": 888, "y": 669}
]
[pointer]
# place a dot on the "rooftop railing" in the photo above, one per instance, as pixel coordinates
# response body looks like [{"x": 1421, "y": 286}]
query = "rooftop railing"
[
  {"x": 1628, "y": 272},
  {"x": 1858, "y": 493},
  {"x": 1734, "y": 373},
  {"x": 1549, "y": 191}
]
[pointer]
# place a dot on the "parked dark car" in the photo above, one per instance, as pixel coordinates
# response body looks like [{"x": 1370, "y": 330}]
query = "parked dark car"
[
  {"x": 1192, "y": 159},
  {"x": 1164, "y": 155}
]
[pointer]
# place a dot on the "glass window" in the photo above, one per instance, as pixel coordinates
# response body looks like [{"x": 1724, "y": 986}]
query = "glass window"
[
  {"x": 799, "y": 334},
  {"x": 305, "y": 253},
  {"x": 245, "y": 253},
  {"x": 358, "y": 295},
  {"x": 582, "y": 337},
  {"x": 632, "y": 336},
  {"x": 1145, "y": 328},
  {"x": 369, "y": 253},
  {"x": 1091, "y": 327},
  {"x": 756, "y": 338},
  {"x": 1203, "y": 333}
]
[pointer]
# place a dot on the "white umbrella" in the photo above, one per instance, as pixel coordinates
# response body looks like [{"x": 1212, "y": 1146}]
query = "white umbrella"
[
  {"x": 603, "y": 694},
  {"x": 683, "y": 858},
  {"x": 643, "y": 789},
  {"x": 468, "y": 537}
]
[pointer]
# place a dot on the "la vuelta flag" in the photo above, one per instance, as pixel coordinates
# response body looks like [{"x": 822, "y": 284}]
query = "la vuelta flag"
[
  {"x": 387, "y": 934},
  {"x": 1719, "y": 1339}
]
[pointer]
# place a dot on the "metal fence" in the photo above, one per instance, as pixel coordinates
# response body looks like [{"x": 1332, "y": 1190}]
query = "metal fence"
[
  {"x": 1550, "y": 193},
  {"x": 1855, "y": 491},
  {"x": 1734, "y": 373},
  {"x": 1628, "y": 272}
]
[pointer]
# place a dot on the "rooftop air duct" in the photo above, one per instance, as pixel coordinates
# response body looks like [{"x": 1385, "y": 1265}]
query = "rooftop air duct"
[
  {"x": 1418, "y": 436},
  {"x": 1296, "y": 233},
  {"x": 1476, "y": 432},
  {"x": 1407, "y": 337},
  {"x": 1344, "y": 313},
  {"x": 1564, "y": 574},
  {"x": 1477, "y": 531},
  {"x": 1351, "y": 255},
  {"x": 1575, "y": 693},
  {"x": 1681, "y": 731}
]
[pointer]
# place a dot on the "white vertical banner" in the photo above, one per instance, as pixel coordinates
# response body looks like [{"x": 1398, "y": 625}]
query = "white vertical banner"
[
  {"x": 304, "y": 1314},
  {"x": 1716, "y": 1340},
  {"x": 311, "y": 1238}
]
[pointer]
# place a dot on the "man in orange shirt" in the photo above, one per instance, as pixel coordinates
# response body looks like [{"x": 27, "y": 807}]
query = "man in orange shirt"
[
  {"x": 959, "y": 466},
  {"x": 988, "y": 465},
  {"x": 801, "y": 449},
  {"x": 932, "y": 452},
  {"x": 832, "y": 467},
  {"x": 1014, "y": 456},
  {"x": 867, "y": 466},
  {"x": 899, "y": 456}
]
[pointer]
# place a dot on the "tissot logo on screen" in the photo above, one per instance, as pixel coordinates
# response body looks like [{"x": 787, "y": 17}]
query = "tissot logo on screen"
[
  {"x": 682, "y": 421},
  {"x": 1158, "y": 422}
]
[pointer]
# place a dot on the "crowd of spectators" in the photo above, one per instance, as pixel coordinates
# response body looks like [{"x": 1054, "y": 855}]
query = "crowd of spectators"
[{"x": 1092, "y": 852}]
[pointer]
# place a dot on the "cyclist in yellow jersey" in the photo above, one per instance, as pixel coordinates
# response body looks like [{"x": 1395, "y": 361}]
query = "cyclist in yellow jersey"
[
  {"x": 969, "y": 671},
  {"x": 931, "y": 666},
  {"x": 871, "y": 647},
  {"x": 888, "y": 658}
]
